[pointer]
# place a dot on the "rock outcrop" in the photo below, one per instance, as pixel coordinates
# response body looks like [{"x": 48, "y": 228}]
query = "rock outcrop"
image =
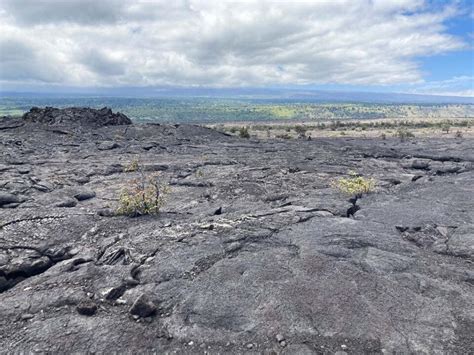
[
  {"x": 254, "y": 251},
  {"x": 82, "y": 116}
]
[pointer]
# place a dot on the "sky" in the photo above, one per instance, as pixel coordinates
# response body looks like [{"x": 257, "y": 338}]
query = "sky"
[{"x": 407, "y": 46}]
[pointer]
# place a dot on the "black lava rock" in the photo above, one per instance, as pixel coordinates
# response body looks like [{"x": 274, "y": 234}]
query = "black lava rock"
[
  {"x": 143, "y": 307},
  {"x": 76, "y": 115},
  {"x": 86, "y": 308}
]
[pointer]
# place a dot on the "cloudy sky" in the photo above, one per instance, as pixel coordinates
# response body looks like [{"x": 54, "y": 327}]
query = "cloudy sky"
[{"x": 416, "y": 46}]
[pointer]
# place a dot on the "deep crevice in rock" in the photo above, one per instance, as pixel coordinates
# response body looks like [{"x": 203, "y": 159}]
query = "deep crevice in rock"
[
  {"x": 11, "y": 278},
  {"x": 354, "y": 208}
]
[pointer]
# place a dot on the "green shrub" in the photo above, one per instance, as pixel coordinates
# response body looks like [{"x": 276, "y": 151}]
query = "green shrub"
[
  {"x": 335, "y": 125},
  {"x": 404, "y": 134},
  {"x": 301, "y": 130},
  {"x": 145, "y": 195},
  {"x": 244, "y": 132},
  {"x": 354, "y": 185},
  {"x": 132, "y": 166},
  {"x": 199, "y": 173}
]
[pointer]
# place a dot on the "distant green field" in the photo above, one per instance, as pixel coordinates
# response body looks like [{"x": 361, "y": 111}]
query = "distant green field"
[
  {"x": 10, "y": 112},
  {"x": 204, "y": 110}
]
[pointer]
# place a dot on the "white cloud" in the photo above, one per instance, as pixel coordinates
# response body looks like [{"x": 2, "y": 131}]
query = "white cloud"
[
  {"x": 456, "y": 86},
  {"x": 220, "y": 43}
]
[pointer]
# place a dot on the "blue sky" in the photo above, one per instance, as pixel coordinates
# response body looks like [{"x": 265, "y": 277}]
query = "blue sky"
[
  {"x": 409, "y": 46},
  {"x": 458, "y": 63}
]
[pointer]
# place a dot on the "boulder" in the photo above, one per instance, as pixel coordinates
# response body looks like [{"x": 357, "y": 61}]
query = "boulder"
[
  {"x": 84, "y": 195},
  {"x": 143, "y": 307},
  {"x": 86, "y": 308}
]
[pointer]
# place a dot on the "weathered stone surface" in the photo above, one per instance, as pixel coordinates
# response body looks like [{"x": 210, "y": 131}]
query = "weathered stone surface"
[
  {"x": 461, "y": 243},
  {"x": 66, "y": 202},
  {"x": 107, "y": 145},
  {"x": 253, "y": 246},
  {"x": 7, "y": 198},
  {"x": 420, "y": 164}
]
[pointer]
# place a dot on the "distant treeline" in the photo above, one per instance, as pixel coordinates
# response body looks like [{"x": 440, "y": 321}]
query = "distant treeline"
[
  {"x": 388, "y": 124},
  {"x": 208, "y": 110}
]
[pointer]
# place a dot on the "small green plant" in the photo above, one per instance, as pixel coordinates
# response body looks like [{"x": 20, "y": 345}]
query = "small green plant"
[
  {"x": 354, "y": 185},
  {"x": 283, "y": 136},
  {"x": 199, "y": 173},
  {"x": 145, "y": 195},
  {"x": 335, "y": 125},
  {"x": 458, "y": 134},
  {"x": 233, "y": 129},
  {"x": 445, "y": 127},
  {"x": 404, "y": 134},
  {"x": 244, "y": 132},
  {"x": 132, "y": 166},
  {"x": 301, "y": 130}
]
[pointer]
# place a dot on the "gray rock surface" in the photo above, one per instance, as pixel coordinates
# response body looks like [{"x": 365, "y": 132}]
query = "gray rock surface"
[{"x": 253, "y": 252}]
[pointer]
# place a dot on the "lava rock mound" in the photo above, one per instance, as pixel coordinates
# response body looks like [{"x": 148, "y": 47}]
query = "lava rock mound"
[{"x": 76, "y": 115}]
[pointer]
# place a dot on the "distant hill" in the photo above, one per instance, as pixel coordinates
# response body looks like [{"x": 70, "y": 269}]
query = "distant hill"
[
  {"x": 244, "y": 108},
  {"x": 297, "y": 95}
]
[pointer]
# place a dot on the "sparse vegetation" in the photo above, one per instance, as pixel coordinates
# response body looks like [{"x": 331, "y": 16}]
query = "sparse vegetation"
[
  {"x": 339, "y": 125},
  {"x": 404, "y": 134},
  {"x": 244, "y": 132},
  {"x": 144, "y": 195},
  {"x": 301, "y": 130},
  {"x": 445, "y": 127},
  {"x": 403, "y": 129},
  {"x": 335, "y": 125},
  {"x": 132, "y": 166},
  {"x": 354, "y": 185},
  {"x": 199, "y": 173}
]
